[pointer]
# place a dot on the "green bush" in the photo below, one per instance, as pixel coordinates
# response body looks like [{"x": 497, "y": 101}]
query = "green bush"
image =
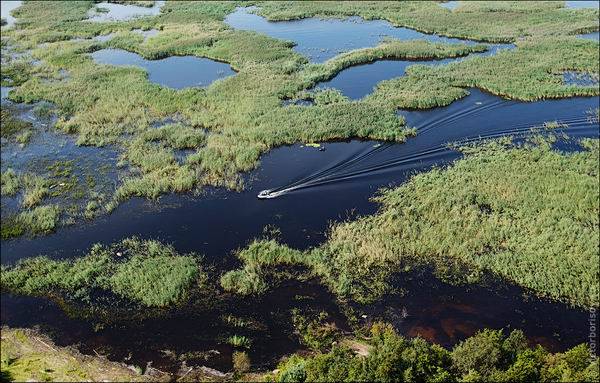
[{"x": 393, "y": 358}]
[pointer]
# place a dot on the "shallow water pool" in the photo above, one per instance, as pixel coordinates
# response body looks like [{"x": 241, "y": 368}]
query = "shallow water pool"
[{"x": 176, "y": 72}]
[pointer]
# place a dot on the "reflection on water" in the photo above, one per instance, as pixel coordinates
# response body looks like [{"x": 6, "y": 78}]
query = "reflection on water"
[
  {"x": 121, "y": 12},
  {"x": 322, "y": 39},
  {"x": 174, "y": 72},
  {"x": 6, "y": 8}
]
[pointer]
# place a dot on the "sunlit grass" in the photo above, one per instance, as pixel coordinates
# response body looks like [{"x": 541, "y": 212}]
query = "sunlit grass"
[{"x": 528, "y": 214}]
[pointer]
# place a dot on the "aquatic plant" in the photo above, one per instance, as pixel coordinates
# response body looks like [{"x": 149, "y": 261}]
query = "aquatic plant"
[
  {"x": 9, "y": 181},
  {"x": 497, "y": 21},
  {"x": 40, "y": 220},
  {"x": 36, "y": 189},
  {"x": 528, "y": 214},
  {"x": 239, "y": 341},
  {"x": 10, "y": 124},
  {"x": 149, "y": 273},
  {"x": 241, "y": 361}
]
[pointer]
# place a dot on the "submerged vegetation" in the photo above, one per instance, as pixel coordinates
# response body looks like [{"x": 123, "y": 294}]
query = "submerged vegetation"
[
  {"x": 528, "y": 214},
  {"x": 13, "y": 127},
  {"x": 148, "y": 273}
]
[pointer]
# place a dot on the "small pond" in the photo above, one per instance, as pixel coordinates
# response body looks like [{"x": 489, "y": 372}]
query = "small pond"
[
  {"x": 121, "y": 12},
  {"x": 580, "y": 78},
  {"x": 176, "y": 72}
]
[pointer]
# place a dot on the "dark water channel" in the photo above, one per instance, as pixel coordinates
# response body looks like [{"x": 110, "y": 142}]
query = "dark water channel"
[{"x": 320, "y": 186}]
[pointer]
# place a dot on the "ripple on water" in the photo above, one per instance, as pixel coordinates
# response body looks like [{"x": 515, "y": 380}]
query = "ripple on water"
[{"x": 174, "y": 72}]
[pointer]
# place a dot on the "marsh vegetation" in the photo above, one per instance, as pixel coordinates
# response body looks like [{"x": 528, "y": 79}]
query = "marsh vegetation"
[{"x": 104, "y": 117}]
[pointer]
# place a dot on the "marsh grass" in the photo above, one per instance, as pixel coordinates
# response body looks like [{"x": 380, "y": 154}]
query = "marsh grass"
[
  {"x": 528, "y": 214},
  {"x": 148, "y": 273},
  {"x": 10, "y": 125},
  {"x": 30, "y": 355},
  {"x": 498, "y": 21},
  {"x": 36, "y": 189},
  {"x": 239, "y": 341},
  {"x": 234, "y": 121},
  {"x": 10, "y": 182}
]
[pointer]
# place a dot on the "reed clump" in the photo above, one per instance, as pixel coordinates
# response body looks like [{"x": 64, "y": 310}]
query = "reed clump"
[
  {"x": 148, "y": 273},
  {"x": 528, "y": 214}
]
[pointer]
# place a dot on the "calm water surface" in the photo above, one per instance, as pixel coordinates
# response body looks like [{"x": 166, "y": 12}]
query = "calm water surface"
[
  {"x": 590, "y": 36},
  {"x": 6, "y": 8},
  {"x": 579, "y": 4},
  {"x": 174, "y": 72},
  {"x": 451, "y": 5},
  {"x": 322, "y": 186},
  {"x": 322, "y": 39},
  {"x": 358, "y": 81},
  {"x": 120, "y": 12}
]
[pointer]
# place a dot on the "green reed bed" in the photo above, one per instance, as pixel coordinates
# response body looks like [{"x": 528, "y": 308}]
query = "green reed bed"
[
  {"x": 230, "y": 124},
  {"x": 527, "y": 214},
  {"x": 148, "y": 273}
]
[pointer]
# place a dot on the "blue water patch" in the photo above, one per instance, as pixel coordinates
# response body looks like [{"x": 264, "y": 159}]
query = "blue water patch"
[
  {"x": 322, "y": 39},
  {"x": 580, "y": 4},
  {"x": 121, "y": 12},
  {"x": 590, "y": 36},
  {"x": 358, "y": 81},
  {"x": 451, "y": 5},
  {"x": 7, "y": 7},
  {"x": 174, "y": 72},
  {"x": 580, "y": 78}
]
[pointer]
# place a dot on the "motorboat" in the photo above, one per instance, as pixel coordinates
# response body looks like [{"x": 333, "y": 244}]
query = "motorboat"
[{"x": 268, "y": 193}]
